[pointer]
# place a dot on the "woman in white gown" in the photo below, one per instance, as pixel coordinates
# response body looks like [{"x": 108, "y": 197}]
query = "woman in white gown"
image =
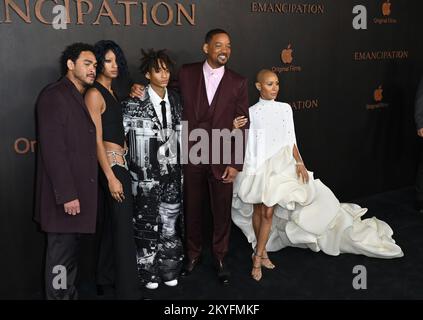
[{"x": 277, "y": 201}]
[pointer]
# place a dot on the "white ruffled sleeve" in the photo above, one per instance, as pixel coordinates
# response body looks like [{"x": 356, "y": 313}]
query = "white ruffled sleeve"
[
  {"x": 290, "y": 129},
  {"x": 250, "y": 162}
]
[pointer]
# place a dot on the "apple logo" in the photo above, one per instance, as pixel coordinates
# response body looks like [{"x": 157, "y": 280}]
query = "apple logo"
[
  {"x": 377, "y": 95},
  {"x": 386, "y": 8},
  {"x": 286, "y": 55}
]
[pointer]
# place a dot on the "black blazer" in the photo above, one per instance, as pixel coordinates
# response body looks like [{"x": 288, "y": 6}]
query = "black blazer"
[{"x": 67, "y": 160}]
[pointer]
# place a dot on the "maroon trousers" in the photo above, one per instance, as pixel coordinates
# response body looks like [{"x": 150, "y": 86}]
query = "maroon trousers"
[{"x": 200, "y": 183}]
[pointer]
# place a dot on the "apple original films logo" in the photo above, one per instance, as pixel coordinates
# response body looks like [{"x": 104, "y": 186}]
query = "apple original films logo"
[
  {"x": 378, "y": 99},
  {"x": 287, "y": 57},
  {"x": 377, "y": 94},
  {"x": 386, "y": 10}
]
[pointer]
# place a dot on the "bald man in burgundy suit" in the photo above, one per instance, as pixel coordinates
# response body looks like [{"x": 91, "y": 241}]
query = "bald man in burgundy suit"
[{"x": 213, "y": 96}]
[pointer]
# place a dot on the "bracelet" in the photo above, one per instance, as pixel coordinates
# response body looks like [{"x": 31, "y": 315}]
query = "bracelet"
[{"x": 299, "y": 164}]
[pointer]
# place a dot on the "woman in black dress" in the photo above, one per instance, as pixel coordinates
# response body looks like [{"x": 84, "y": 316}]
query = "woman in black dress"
[{"x": 117, "y": 257}]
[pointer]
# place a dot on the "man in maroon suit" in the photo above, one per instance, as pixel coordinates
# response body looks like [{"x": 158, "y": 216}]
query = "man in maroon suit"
[
  {"x": 66, "y": 192},
  {"x": 213, "y": 96}
]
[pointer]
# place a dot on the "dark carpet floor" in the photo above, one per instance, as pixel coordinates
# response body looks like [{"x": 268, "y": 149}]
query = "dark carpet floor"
[{"x": 304, "y": 274}]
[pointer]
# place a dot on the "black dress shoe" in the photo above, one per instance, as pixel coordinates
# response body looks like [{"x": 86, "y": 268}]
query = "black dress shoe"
[
  {"x": 223, "y": 273},
  {"x": 189, "y": 266}
]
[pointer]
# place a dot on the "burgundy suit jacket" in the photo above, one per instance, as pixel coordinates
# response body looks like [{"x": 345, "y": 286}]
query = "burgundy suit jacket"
[
  {"x": 66, "y": 160},
  {"x": 230, "y": 101}
]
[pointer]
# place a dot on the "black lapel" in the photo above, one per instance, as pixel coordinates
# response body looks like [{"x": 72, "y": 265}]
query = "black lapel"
[{"x": 174, "y": 109}]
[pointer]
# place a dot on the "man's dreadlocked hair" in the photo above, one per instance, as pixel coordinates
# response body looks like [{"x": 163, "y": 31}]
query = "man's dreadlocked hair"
[{"x": 150, "y": 60}]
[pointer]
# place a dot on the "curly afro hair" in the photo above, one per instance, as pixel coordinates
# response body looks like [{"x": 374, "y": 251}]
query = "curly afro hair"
[
  {"x": 150, "y": 60},
  {"x": 73, "y": 52}
]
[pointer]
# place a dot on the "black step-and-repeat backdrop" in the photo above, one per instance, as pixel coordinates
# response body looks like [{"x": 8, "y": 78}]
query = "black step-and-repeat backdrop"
[{"x": 348, "y": 68}]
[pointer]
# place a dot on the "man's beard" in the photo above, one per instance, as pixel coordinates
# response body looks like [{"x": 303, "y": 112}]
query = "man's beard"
[{"x": 86, "y": 81}]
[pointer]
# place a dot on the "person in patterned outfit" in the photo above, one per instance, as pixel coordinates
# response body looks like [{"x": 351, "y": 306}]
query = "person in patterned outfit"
[{"x": 153, "y": 127}]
